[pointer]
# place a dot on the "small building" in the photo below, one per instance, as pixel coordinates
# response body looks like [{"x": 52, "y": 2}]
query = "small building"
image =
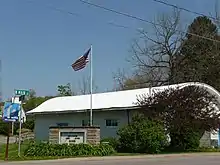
[{"x": 111, "y": 110}]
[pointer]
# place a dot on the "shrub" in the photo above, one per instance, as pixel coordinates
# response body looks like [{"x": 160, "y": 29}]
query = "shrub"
[
  {"x": 46, "y": 149},
  {"x": 142, "y": 136},
  {"x": 3, "y": 128},
  {"x": 29, "y": 124},
  {"x": 186, "y": 140},
  {"x": 111, "y": 141}
]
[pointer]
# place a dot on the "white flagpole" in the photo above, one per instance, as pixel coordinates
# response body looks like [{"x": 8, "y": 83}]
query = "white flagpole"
[
  {"x": 91, "y": 85},
  {"x": 19, "y": 136}
]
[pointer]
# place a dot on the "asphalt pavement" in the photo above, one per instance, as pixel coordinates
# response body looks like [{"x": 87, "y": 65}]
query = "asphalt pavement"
[{"x": 180, "y": 159}]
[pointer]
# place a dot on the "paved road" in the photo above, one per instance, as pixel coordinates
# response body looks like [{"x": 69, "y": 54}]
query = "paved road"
[{"x": 186, "y": 159}]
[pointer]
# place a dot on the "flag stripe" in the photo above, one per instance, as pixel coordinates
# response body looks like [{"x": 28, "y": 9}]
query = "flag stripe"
[
  {"x": 81, "y": 62},
  {"x": 78, "y": 62},
  {"x": 81, "y": 66},
  {"x": 81, "y": 59}
]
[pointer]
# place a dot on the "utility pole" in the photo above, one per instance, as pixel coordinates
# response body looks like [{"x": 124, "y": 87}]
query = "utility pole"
[
  {"x": 7, "y": 143},
  {"x": 1, "y": 81}
]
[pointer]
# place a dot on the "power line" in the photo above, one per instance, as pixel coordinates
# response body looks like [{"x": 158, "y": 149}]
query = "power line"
[
  {"x": 56, "y": 9},
  {"x": 117, "y": 12},
  {"x": 78, "y": 15},
  {"x": 142, "y": 20},
  {"x": 120, "y": 13},
  {"x": 184, "y": 9}
]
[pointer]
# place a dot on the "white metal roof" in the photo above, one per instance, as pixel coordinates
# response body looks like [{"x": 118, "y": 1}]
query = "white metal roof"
[{"x": 109, "y": 100}]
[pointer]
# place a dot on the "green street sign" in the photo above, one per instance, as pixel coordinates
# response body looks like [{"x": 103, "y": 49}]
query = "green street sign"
[{"x": 22, "y": 92}]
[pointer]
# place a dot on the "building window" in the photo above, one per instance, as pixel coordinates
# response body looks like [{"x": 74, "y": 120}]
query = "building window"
[
  {"x": 62, "y": 124},
  {"x": 111, "y": 123}
]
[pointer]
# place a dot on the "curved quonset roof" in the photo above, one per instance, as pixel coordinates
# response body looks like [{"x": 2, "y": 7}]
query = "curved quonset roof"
[{"x": 107, "y": 101}]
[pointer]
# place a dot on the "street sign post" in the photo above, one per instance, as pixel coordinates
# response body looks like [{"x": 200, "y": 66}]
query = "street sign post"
[{"x": 22, "y": 92}]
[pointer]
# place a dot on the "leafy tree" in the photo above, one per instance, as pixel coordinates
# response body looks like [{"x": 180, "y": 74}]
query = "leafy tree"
[
  {"x": 29, "y": 124},
  {"x": 34, "y": 102},
  {"x": 182, "y": 110},
  {"x": 65, "y": 90},
  {"x": 30, "y": 104},
  {"x": 142, "y": 136},
  {"x": 200, "y": 58}
]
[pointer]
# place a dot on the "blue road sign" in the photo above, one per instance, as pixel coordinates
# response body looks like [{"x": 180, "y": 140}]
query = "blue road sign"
[{"x": 11, "y": 111}]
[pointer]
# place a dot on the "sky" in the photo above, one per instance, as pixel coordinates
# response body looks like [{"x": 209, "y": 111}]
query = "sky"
[{"x": 39, "y": 39}]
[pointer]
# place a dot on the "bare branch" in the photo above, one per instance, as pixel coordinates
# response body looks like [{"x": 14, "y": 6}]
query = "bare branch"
[
  {"x": 84, "y": 86},
  {"x": 154, "y": 55}
]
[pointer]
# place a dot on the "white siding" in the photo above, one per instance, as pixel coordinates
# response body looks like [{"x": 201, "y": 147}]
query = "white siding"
[{"x": 43, "y": 122}]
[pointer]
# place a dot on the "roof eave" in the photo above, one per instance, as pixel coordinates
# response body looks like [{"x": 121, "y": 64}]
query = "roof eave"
[{"x": 80, "y": 111}]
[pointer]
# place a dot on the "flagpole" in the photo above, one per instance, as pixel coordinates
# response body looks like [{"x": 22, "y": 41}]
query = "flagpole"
[
  {"x": 19, "y": 136},
  {"x": 91, "y": 85}
]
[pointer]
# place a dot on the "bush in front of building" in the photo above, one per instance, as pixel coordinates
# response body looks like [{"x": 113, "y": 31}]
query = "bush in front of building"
[
  {"x": 142, "y": 135},
  {"x": 64, "y": 150},
  {"x": 185, "y": 140},
  {"x": 187, "y": 113},
  {"x": 112, "y": 141}
]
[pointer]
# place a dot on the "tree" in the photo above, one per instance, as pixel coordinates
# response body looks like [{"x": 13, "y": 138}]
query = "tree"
[
  {"x": 173, "y": 56},
  {"x": 34, "y": 102},
  {"x": 84, "y": 86},
  {"x": 200, "y": 58},
  {"x": 189, "y": 110},
  {"x": 32, "y": 93},
  {"x": 126, "y": 82},
  {"x": 65, "y": 90},
  {"x": 153, "y": 54},
  {"x": 30, "y": 104},
  {"x": 142, "y": 136}
]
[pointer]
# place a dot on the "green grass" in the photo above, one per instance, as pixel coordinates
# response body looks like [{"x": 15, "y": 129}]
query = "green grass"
[{"x": 13, "y": 153}]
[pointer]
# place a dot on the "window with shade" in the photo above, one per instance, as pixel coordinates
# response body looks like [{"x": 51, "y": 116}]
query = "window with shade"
[{"x": 111, "y": 122}]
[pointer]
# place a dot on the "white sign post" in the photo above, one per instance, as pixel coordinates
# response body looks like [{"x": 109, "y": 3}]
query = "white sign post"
[{"x": 22, "y": 119}]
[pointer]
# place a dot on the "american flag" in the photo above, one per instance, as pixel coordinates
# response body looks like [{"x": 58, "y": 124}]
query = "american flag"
[{"x": 81, "y": 62}]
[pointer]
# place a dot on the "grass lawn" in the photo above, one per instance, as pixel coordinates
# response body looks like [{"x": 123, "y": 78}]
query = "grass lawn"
[{"x": 13, "y": 153}]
